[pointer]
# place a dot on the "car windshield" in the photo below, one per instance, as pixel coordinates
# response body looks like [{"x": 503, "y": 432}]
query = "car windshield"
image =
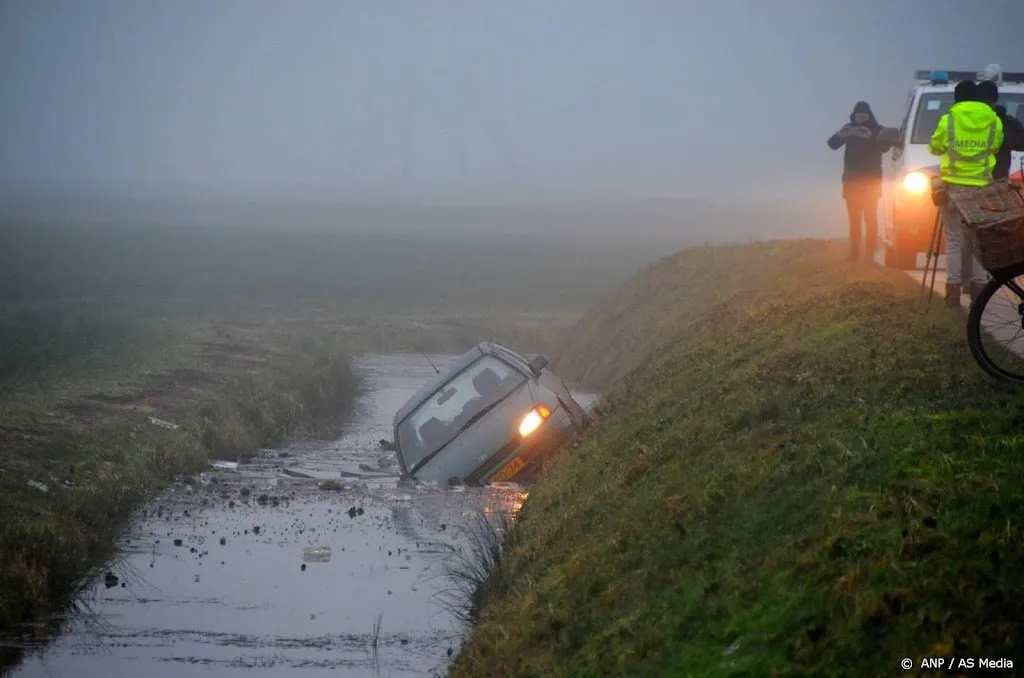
[
  {"x": 931, "y": 107},
  {"x": 440, "y": 417}
]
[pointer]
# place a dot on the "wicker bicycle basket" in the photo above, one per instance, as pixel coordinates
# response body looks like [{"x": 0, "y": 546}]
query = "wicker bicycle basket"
[{"x": 993, "y": 219}]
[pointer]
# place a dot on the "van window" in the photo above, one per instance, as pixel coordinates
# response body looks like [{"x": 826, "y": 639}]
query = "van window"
[{"x": 934, "y": 105}]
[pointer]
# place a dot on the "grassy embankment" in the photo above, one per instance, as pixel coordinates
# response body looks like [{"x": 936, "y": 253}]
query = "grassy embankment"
[{"x": 801, "y": 472}]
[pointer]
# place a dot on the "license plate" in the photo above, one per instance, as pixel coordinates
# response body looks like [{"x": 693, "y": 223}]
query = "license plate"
[{"x": 511, "y": 468}]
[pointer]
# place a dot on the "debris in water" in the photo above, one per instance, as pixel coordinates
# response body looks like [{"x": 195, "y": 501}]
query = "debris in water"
[
  {"x": 316, "y": 554},
  {"x": 229, "y": 465},
  {"x": 369, "y": 470},
  {"x": 38, "y": 485},
  {"x": 223, "y": 541},
  {"x": 256, "y": 529},
  {"x": 262, "y": 500},
  {"x": 110, "y": 580},
  {"x": 303, "y": 567},
  {"x": 245, "y": 492},
  {"x": 177, "y": 542},
  {"x": 162, "y": 423},
  {"x": 386, "y": 444},
  {"x": 352, "y": 512}
]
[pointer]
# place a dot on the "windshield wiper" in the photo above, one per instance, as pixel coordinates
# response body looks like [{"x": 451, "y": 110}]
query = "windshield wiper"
[{"x": 472, "y": 420}]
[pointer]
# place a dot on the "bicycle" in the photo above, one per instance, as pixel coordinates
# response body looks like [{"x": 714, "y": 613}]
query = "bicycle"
[
  {"x": 993, "y": 218},
  {"x": 1010, "y": 281}
]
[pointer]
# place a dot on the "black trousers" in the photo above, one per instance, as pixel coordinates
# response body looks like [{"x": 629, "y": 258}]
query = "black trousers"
[{"x": 862, "y": 209}]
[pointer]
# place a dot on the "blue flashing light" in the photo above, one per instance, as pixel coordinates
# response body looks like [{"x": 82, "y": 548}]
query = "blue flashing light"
[{"x": 939, "y": 78}]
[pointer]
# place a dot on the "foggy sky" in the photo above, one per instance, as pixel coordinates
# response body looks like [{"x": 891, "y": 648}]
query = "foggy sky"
[{"x": 457, "y": 100}]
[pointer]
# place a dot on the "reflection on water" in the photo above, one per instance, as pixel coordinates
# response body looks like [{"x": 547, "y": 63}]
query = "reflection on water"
[{"x": 267, "y": 567}]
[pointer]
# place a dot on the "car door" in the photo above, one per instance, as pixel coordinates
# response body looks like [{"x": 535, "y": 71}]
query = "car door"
[{"x": 894, "y": 171}]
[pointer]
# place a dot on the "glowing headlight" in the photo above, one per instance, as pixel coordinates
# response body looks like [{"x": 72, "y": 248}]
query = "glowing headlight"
[
  {"x": 533, "y": 419},
  {"x": 916, "y": 182}
]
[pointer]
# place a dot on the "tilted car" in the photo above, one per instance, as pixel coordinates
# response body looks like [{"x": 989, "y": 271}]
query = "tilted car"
[{"x": 491, "y": 416}]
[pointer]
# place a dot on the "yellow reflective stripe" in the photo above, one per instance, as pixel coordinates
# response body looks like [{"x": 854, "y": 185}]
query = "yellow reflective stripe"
[{"x": 950, "y": 140}]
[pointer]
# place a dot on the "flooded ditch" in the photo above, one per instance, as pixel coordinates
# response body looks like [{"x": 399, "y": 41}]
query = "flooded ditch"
[{"x": 309, "y": 561}]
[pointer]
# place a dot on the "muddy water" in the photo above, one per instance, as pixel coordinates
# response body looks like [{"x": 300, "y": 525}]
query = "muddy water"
[{"x": 259, "y": 570}]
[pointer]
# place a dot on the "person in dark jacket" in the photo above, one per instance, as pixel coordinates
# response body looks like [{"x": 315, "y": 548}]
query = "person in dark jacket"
[
  {"x": 1013, "y": 131},
  {"x": 862, "y": 175}
]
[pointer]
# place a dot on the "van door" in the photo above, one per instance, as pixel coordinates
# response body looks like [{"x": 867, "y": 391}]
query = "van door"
[{"x": 894, "y": 173}]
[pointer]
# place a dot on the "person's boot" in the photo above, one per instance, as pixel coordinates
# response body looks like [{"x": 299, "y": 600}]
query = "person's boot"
[{"x": 953, "y": 293}]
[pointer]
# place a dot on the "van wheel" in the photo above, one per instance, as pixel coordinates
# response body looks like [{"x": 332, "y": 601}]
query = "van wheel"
[{"x": 904, "y": 258}]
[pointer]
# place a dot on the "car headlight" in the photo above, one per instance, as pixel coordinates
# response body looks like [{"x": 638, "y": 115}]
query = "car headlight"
[
  {"x": 533, "y": 419},
  {"x": 916, "y": 182}
]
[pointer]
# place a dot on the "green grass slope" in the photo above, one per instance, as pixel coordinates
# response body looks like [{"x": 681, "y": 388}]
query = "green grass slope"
[{"x": 803, "y": 474}]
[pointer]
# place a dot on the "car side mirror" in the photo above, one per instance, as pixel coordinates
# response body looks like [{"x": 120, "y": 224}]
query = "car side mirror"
[{"x": 538, "y": 364}]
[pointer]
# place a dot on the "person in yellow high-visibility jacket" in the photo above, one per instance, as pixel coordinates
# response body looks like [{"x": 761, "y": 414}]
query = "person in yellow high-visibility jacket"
[{"x": 967, "y": 137}]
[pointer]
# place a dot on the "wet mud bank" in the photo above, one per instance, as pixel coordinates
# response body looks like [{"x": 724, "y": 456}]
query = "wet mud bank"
[{"x": 308, "y": 560}]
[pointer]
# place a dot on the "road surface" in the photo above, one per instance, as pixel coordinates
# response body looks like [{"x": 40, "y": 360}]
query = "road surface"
[{"x": 1000, "y": 319}]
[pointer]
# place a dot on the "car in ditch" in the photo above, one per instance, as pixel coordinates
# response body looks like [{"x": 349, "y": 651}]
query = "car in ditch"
[{"x": 491, "y": 416}]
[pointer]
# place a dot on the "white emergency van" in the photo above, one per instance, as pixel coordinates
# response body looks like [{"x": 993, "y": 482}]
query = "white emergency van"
[{"x": 908, "y": 213}]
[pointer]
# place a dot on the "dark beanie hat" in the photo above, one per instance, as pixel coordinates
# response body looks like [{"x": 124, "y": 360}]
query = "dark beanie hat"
[
  {"x": 862, "y": 107},
  {"x": 987, "y": 91},
  {"x": 965, "y": 90}
]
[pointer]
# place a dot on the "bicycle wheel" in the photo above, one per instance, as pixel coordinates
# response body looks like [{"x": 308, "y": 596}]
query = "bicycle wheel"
[{"x": 995, "y": 326}]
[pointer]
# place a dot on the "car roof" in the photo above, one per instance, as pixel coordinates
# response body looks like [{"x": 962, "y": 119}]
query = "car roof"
[{"x": 462, "y": 362}]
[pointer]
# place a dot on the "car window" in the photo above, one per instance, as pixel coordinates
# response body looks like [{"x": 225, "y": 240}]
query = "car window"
[
  {"x": 436, "y": 421},
  {"x": 933, "y": 106}
]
